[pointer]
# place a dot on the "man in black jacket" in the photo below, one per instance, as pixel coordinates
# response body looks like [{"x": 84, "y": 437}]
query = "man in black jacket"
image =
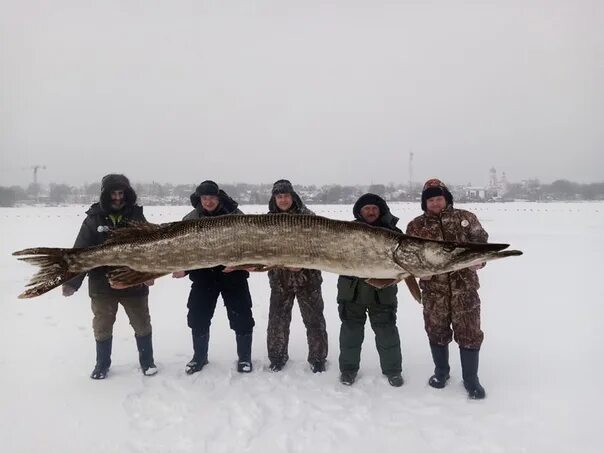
[
  {"x": 209, "y": 201},
  {"x": 115, "y": 209}
]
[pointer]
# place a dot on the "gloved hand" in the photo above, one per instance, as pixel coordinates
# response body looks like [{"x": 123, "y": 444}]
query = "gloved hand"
[{"x": 68, "y": 290}]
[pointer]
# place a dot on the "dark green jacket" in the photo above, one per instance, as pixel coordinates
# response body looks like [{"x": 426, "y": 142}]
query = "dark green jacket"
[{"x": 354, "y": 289}]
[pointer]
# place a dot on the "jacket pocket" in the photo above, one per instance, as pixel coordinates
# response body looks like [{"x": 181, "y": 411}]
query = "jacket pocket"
[
  {"x": 387, "y": 296},
  {"x": 346, "y": 289}
]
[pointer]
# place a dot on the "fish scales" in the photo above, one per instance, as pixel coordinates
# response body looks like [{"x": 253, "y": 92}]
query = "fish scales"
[
  {"x": 295, "y": 241},
  {"x": 300, "y": 241}
]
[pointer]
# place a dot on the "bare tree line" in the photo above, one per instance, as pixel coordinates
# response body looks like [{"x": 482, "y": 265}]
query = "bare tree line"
[{"x": 178, "y": 194}]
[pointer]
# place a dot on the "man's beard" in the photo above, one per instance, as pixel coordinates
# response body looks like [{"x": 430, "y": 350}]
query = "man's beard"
[{"x": 116, "y": 206}]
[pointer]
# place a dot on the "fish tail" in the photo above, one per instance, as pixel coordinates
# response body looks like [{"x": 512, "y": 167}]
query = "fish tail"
[{"x": 53, "y": 272}]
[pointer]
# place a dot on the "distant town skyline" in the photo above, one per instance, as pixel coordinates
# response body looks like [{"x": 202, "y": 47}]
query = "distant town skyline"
[{"x": 484, "y": 181}]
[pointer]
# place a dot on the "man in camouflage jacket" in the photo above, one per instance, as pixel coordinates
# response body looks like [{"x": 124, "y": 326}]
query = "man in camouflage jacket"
[
  {"x": 450, "y": 300},
  {"x": 287, "y": 284},
  {"x": 357, "y": 299},
  {"x": 115, "y": 209}
]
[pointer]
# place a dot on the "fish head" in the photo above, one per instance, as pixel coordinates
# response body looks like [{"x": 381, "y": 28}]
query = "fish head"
[{"x": 424, "y": 257}]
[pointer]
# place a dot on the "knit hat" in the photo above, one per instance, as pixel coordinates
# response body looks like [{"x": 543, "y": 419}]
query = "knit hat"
[{"x": 434, "y": 188}]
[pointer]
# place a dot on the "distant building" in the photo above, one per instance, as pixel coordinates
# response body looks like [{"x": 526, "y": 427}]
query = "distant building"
[
  {"x": 476, "y": 193},
  {"x": 497, "y": 187}
]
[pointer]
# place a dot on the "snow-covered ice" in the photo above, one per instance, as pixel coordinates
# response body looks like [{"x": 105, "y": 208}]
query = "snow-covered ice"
[{"x": 541, "y": 363}]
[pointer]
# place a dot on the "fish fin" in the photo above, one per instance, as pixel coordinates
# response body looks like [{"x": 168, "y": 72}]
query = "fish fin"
[
  {"x": 414, "y": 288},
  {"x": 54, "y": 270},
  {"x": 124, "y": 277},
  {"x": 133, "y": 231},
  {"x": 251, "y": 268},
  {"x": 381, "y": 282},
  {"x": 245, "y": 267}
]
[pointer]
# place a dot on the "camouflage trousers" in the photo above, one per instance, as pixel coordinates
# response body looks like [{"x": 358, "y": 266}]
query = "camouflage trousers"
[
  {"x": 104, "y": 309},
  {"x": 306, "y": 287},
  {"x": 453, "y": 315}
]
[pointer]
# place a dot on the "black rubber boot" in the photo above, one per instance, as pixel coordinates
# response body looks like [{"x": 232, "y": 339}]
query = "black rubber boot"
[
  {"x": 200, "y": 353},
  {"x": 317, "y": 366},
  {"x": 244, "y": 353},
  {"x": 103, "y": 359},
  {"x": 277, "y": 365},
  {"x": 145, "y": 355},
  {"x": 469, "y": 369},
  {"x": 440, "y": 355},
  {"x": 348, "y": 377},
  {"x": 396, "y": 380}
]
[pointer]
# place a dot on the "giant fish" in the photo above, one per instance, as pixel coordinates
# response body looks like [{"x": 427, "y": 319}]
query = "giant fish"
[{"x": 145, "y": 251}]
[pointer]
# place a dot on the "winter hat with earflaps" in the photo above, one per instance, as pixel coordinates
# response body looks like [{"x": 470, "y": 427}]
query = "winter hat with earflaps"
[
  {"x": 434, "y": 188},
  {"x": 282, "y": 186},
  {"x": 207, "y": 187},
  {"x": 113, "y": 182}
]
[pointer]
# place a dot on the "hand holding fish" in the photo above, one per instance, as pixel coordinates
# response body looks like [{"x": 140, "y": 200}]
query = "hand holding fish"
[
  {"x": 117, "y": 285},
  {"x": 68, "y": 290}
]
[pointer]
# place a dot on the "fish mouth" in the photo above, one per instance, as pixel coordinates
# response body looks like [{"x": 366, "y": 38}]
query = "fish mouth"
[{"x": 474, "y": 247}]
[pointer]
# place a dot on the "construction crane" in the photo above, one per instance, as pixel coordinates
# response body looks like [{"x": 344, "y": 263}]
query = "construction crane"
[
  {"x": 34, "y": 188},
  {"x": 35, "y": 169},
  {"x": 410, "y": 172}
]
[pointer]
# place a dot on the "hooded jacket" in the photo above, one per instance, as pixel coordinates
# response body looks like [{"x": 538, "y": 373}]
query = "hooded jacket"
[
  {"x": 386, "y": 219},
  {"x": 226, "y": 206},
  {"x": 100, "y": 220},
  {"x": 354, "y": 288}
]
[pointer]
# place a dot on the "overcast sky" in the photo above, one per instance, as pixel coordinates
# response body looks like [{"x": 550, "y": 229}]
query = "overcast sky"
[{"x": 315, "y": 91}]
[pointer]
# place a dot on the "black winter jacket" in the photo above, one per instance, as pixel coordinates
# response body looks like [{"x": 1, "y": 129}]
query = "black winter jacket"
[{"x": 94, "y": 231}]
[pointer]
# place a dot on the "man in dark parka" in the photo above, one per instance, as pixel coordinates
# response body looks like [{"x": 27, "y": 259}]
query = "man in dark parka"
[{"x": 115, "y": 209}]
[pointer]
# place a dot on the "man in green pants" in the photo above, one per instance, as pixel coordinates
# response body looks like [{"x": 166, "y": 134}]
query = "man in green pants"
[{"x": 357, "y": 299}]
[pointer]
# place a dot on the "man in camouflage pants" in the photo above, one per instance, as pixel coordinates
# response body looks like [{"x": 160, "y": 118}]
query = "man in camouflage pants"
[
  {"x": 289, "y": 283},
  {"x": 451, "y": 299}
]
